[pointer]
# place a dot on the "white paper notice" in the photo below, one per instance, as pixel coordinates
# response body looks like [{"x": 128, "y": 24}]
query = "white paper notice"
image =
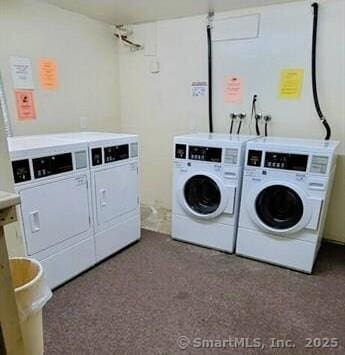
[
  {"x": 199, "y": 88},
  {"x": 21, "y": 73}
]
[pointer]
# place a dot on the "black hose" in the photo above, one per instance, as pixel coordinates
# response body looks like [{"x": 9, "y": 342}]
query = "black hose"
[
  {"x": 315, "y": 7},
  {"x": 257, "y": 127},
  {"x": 239, "y": 127},
  {"x": 210, "y": 109},
  {"x": 231, "y": 126},
  {"x": 253, "y": 115},
  {"x": 266, "y": 132}
]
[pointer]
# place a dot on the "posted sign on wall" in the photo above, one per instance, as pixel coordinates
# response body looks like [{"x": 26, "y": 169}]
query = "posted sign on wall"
[
  {"x": 48, "y": 74},
  {"x": 21, "y": 73},
  {"x": 291, "y": 82},
  {"x": 25, "y": 104},
  {"x": 233, "y": 90}
]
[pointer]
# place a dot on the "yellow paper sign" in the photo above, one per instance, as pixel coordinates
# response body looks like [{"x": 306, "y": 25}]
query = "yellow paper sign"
[
  {"x": 291, "y": 82},
  {"x": 48, "y": 74}
]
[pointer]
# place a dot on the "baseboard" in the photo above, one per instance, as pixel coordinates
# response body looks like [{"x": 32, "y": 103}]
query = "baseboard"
[{"x": 330, "y": 240}]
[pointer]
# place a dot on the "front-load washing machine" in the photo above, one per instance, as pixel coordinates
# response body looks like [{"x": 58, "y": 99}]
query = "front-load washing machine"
[
  {"x": 207, "y": 175},
  {"x": 285, "y": 194},
  {"x": 114, "y": 164},
  {"x": 52, "y": 178}
]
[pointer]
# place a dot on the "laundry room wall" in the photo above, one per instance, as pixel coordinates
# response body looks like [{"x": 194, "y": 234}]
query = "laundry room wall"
[
  {"x": 86, "y": 55},
  {"x": 160, "y": 105},
  {"x": 12, "y": 231}
]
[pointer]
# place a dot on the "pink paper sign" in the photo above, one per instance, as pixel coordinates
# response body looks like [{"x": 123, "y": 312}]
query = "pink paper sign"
[
  {"x": 25, "y": 104},
  {"x": 233, "y": 90}
]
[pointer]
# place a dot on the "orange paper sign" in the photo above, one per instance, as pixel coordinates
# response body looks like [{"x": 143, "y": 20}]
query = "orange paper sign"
[
  {"x": 25, "y": 104},
  {"x": 233, "y": 90},
  {"x": 48, "y": 74}
]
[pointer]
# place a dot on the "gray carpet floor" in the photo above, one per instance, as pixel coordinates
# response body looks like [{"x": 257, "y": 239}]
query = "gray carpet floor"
[{"x": 144, "y": 299}]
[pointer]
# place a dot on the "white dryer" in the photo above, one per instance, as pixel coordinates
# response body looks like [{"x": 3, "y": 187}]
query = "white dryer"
[
  {"x": 286, "y": 189},
  {"x": 114, "y": 164},
  {"x": 52, "y": 178},
  {"x": 207, "y": 175}
]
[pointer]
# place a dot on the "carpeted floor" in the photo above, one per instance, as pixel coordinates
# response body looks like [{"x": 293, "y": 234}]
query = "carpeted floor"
[{"x": 146, "y": 297}]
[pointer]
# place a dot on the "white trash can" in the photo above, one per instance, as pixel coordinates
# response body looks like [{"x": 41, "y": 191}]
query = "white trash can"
[{"x": 32, "y": 293}]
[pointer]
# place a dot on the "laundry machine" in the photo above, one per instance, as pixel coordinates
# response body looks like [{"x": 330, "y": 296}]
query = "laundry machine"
[
  {"x": 207, "y": 175},
  {"x": 52, "y": 178},
  {"x": 114, "y": 168},
  {"x": 286, "y": 190}
]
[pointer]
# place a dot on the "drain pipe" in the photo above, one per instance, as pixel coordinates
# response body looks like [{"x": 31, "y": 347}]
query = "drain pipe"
[
  {"x": 209, "y": 45},
  {"x": 326, "y": 125},
  {"x": 4, "y": 111}
]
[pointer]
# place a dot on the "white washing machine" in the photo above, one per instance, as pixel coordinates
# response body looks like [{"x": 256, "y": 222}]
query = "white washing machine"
[
  {"x": 286, "y": 189},
  {"x": 52, "y": 178},
  {"x": 207, "y": 175},
  {"x": 114, "y": 164}
]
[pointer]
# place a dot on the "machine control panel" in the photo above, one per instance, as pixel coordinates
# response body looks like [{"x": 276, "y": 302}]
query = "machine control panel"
[
  {"x": 209, "y": 154},
  {"x": 231, "y": 156},
  {"x": 319, "y": 164},
  {"x": 116, "y": 153},
  {"x": 181, "y": 151},
  {"x": 80, "y": 160},
  {"x": 52, "y": 165},
  {"x": 96, "y": 156},
  {"x": 286, "y": 161},
  {"x": 254, "y": 158},
  {"x": 21, "y": 170},
  {"x": 134, "y": 150}
]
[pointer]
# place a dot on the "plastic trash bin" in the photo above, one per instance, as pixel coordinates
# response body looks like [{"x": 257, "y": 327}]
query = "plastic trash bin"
[{"x": 32, "y": 293}]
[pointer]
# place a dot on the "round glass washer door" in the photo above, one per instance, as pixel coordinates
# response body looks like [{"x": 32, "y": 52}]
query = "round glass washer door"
[
  {"x": 279, "y": 207},
  {"x": 203, "y": 195}
]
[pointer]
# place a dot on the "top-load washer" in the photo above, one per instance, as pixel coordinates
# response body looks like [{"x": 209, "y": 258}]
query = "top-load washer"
[
  {"x": 52, "y": 178},
  {"x": 114, "y": 164},
  {"x": 207, "y": 175},
  {"x": 286, "y": 189}
]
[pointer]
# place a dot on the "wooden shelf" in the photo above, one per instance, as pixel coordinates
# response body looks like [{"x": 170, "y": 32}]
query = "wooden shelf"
[{"x": 8, "y": 199}]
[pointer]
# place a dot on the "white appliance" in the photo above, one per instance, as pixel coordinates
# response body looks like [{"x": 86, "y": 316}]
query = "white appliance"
[
  {"x": 286, "y": 189},
  {"x": 207, "y": 175},
  {"x": 52, "y": 178},
  {"x": 114, "y": 165}
]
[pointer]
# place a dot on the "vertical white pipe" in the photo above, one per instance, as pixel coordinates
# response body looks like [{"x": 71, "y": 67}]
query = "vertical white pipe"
[{"x": 4, "y": 111}]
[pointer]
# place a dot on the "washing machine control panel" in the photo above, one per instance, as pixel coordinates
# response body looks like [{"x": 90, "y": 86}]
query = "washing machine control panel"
[
  {"x": 286, "y": 161},
  {"x": 254, "y": 158},
  {"x": 209, "y": 154},
  {"x": 21, "y": 171},
  {"x": 181, "y": 151},
  {"x": 96, "y": 156},
  {"x": 52, "y": 165},
  {"x": 116, "y": 153}
]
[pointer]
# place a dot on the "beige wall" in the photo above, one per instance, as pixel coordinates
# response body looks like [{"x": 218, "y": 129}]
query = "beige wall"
[
  {"x": 86, "y": 55},
  {"x": 87, "y": 59},
  {"x": 159, "y": 106}
]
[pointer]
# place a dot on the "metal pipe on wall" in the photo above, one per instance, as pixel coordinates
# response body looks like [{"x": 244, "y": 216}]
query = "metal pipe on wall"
[{"x": 4, "y": 111}]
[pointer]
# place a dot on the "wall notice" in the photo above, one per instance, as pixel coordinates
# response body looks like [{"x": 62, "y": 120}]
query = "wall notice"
[
  {"x": 21, "y": 73},
  {"x": 25, "y": 104},
  {"x": 233, "y": 90},
  {"x": 291, "y": 83},
  {"x": 48, "y": 74},
  {"x": 199, "y": 88}
]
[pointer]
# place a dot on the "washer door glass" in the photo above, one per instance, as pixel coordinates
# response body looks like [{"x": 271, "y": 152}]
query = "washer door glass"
[
  {"x": 202, "y": 194},
  {"x": 279, "y": 207}
]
